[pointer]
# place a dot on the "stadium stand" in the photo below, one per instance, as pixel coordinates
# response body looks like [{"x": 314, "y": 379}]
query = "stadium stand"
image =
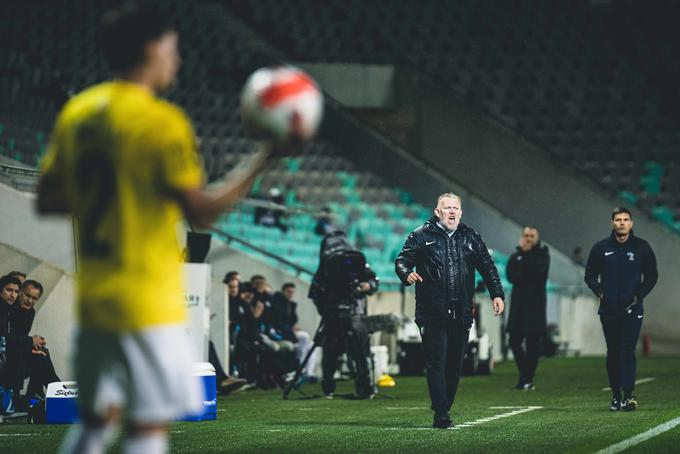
[
  {"x": 562, "y": 84},
  {"x": 209, "y": 89}
]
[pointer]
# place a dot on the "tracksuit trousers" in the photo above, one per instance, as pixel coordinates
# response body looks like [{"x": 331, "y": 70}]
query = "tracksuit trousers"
[
  {"x": 444, "y": 344},
  {"x": 621, "y": 333}
]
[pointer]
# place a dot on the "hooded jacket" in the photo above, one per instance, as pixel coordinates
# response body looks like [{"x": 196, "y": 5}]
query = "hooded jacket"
[
  {"x": 621, "y": 273},
  {"x": 447, "y": 266}
]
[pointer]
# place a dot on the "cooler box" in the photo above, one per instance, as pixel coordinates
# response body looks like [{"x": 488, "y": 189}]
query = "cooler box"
[
  {"x": 60, "y": 403},
  {"x": 60, "y": 400},
  {"x": 206, "y": 372}
]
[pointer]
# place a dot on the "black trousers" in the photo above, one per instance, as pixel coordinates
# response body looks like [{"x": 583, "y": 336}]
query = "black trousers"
[
  {"x": 444, "y": 344},
  {"x": 346, "y": 335},
  {"x": 621, "y": 333},
  {"x": 526, "y": 360},
  {"x": 41, "y": 373},
  {"x": 213, "y": 359}
]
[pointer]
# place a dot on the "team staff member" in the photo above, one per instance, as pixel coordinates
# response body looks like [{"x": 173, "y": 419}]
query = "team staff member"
[
  {"x": 445, "y": 253},
  {"x": 527, "y": 269},
  {"x": 621, "y": 271},
  {"x": 124, "y": 163}
]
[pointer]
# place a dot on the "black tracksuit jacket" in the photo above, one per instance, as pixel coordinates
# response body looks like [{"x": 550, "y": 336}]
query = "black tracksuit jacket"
[
  {"x": 447, "y": 266},
  {"x": 620, "y": 273}
]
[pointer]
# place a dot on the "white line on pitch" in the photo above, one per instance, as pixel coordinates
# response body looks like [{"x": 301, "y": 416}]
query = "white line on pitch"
[
  {"x": 24, "y": 435},
  {"x": 637, "y": 382},
  {"x": 407, "y": 408},
  {"x": 639, "y": 438},
  {"x": 517, "y": 411}
]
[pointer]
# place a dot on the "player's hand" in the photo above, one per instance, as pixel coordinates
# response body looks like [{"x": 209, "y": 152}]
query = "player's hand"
[
  {"x": 413, "y": 278},
  {"x": 258, "y": 309},
  {"x": 364, "y": 287},
  {"x": 498, "y": 306},
  {"x": 38, "y": 340}
]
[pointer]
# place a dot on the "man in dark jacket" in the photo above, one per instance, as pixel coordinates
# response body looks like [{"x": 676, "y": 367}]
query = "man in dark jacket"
[
  {"x": 621, "y": 271},
  {"x": 445, "y": 254},
  {"x": 12, "y": 344},
  {"x": 527, "y": 270},
  {"x": 35, "y": 363}
]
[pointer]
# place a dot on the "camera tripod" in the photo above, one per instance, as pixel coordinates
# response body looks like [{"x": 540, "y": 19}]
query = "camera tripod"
[{"x": 320, "y": 337}]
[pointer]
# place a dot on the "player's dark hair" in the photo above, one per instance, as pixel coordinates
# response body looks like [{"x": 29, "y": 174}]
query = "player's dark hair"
[
  {"x": 34, "y": 284},
  {"x": 17, "y": 274},
  {"x": 619, "y": 210},
  {"x": 229, "y": 276},
  {"x": 256, "y": 277},
  {"x": 7, "y": 279},
  {"x": 246, "y": 287},
  {"x": 123, "y": 34},
  {"x": 287, "y": 285}
]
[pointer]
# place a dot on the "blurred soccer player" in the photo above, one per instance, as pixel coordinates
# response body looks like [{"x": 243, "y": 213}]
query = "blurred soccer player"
[{"x": 124, "y": 163}]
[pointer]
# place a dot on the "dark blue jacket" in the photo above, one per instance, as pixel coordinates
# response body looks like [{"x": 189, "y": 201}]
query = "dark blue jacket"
[{"x": 620, "y": 273}]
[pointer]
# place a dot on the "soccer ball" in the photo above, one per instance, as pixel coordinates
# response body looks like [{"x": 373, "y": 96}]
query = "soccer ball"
[{"x": 280, "y": 104}]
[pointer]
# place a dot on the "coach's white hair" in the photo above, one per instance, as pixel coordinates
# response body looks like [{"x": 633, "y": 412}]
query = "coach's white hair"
[{"x": 449, "y": 195}]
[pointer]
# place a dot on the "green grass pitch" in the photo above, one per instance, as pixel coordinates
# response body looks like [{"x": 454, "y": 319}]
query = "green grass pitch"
[{"x": 573, "y": 417}]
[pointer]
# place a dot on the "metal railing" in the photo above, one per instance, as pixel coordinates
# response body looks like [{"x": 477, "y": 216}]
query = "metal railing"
[{"x": 231, "y": 238}]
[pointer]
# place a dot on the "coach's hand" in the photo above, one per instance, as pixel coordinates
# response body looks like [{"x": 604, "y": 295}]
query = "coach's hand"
[
  {"x": 498, "y": 306},
  {"x": 413, "y": 278}
]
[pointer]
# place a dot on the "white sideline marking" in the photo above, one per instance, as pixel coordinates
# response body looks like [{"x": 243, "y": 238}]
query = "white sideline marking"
[
  {"x": 637, "y": 382},
  {"x": 639, "y": 438},
  {"x": 407, "y": 408},
  {"x": 516, "y": 411},
  {"x": 24, "y": 435}
]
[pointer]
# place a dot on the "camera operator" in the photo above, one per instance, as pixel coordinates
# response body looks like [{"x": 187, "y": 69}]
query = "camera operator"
[{"x": 339, "y": 289}]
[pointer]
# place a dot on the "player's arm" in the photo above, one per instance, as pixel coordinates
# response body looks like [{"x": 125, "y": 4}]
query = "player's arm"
[
  {"x": 51, "y": 192},
  {"x": 593, "y": 271},
  {"x": 406, "y": 260},
  {"x": 50, "y": 196},
  {"x": 202, "y": 207}
]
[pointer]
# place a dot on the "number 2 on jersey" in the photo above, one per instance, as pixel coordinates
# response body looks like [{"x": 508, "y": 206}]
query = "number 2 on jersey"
[{"x": 97, "y": 179}]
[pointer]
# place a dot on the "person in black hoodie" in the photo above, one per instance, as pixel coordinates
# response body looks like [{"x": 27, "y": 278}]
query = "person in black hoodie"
[
  {"x": 445, "y": 253},
  {"x": 527, "y": 270},
  {"x": 621, "y": 271}
]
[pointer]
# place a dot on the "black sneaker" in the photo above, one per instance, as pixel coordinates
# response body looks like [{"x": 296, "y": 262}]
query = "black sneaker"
[
  {"x": 615, "y": 405},
  {"x": 442, "y": 423},
  {"x": 629, "y": 404},
  {"x": 526, "y": 386}
]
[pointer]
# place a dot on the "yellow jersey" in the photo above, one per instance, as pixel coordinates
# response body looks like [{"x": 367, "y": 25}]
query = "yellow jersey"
[{"x": 118, "y": 153}]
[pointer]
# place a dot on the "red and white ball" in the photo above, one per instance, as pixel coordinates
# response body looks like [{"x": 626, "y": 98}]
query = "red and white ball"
[{"x": 281, "y": 103}]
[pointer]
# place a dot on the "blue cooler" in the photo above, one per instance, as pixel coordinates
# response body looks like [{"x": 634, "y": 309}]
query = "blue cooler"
[
  {"x": 206, "y": 373},
  {"x": 61, "y": 408},
  {"x": 60, "y": 403}
]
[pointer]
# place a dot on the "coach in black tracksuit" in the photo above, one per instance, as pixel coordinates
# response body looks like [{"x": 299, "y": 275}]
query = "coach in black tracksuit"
[
  {"x": 621, "y": 271},
  {"x": 527, "y": 270},
  {"x": 445, "y": 254}
]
